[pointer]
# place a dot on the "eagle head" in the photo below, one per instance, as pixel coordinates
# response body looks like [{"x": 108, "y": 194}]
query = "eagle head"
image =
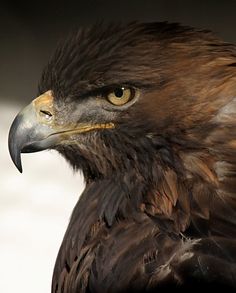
[
  {"x": 126, "y": 98},
  {"x": 93, "y": 103}
]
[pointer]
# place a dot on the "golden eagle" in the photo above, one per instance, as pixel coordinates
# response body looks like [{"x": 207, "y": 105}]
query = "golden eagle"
[{"x": 148, "y": 113}]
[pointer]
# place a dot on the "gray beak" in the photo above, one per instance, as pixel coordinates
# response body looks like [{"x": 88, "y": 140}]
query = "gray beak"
[{"x": 31, "y": 130}]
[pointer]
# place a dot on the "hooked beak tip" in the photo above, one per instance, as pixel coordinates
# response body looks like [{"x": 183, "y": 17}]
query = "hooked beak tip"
[
  {"x": 19, "y": 167},
  {"x": 14, "y": 149}
]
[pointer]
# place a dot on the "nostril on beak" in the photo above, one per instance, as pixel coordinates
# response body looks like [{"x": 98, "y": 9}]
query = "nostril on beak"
[{"x": 46, "y": 114}]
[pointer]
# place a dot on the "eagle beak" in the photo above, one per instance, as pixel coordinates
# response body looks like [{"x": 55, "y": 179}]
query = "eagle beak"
[{"x": 32, "y": 129}]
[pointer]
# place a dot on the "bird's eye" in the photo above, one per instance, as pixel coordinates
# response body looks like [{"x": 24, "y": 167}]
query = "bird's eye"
[{"x": 120, "y": 96}]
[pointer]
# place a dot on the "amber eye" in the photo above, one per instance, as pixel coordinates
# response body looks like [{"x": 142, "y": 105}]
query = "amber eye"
[{"x": 120, "y": 96}]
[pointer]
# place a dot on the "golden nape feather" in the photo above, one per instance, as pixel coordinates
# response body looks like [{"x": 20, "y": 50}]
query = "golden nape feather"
[{"x": 148, "y": 113}]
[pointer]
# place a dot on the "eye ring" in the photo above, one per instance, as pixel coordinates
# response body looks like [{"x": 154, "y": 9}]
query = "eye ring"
[{"x": 120, "y": 96}]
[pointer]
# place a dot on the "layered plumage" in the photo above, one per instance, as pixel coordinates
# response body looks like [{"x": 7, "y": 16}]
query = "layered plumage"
[{"x": 159, "y": 206}]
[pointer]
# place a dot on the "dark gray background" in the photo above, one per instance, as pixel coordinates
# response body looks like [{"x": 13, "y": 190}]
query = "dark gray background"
[{"x": 31, "y": 30}]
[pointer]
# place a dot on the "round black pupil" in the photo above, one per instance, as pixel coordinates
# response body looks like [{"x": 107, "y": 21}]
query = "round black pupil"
[{"x": 118, "y": 92}]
